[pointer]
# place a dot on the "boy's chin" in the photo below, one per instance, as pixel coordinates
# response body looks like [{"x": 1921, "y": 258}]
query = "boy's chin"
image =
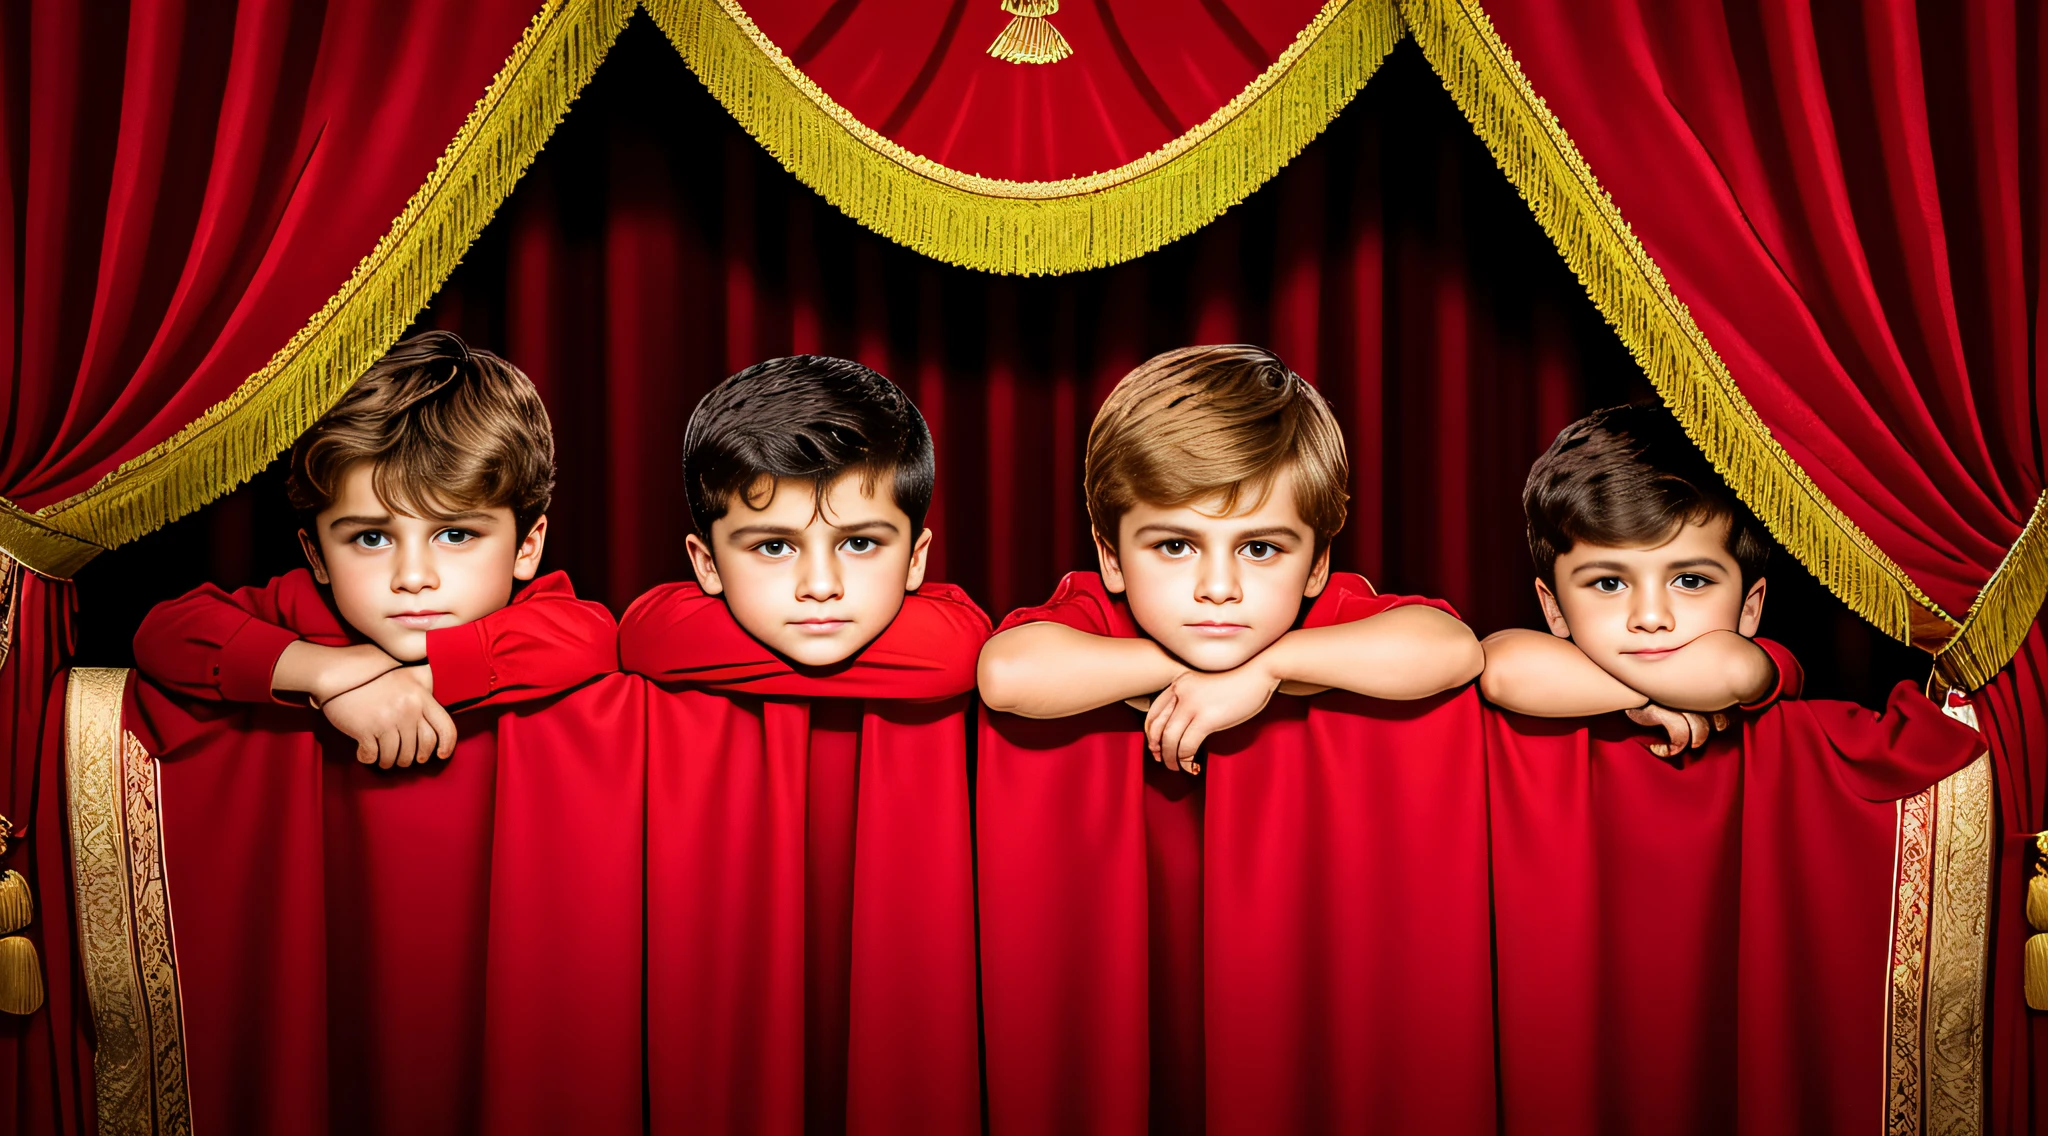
[
  {"x": 1213, "y": 654},
  {"x": 814, "y": 652}
]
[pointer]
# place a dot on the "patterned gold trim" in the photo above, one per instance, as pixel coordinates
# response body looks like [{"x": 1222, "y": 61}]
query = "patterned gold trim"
[
  {"x": 1941, "y": 918},
  {"x": 1044, "y": 227},
  {"x": 124, "y": 918},
  {"x": 239, "y": 435},
  {"x": 1532, "y": 148}
]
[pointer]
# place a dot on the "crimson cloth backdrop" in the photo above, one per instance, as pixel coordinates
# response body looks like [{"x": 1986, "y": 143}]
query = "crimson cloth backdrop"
[{"x": 654, "y": 249}]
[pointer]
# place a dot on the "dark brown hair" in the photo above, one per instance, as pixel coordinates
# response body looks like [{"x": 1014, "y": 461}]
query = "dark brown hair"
[
  {"x": 1201, "y": 421},
  {"x": 444, "y": 426},
  {"x": 1628, "y": 475},
  {"x": 808, "y": 417}
]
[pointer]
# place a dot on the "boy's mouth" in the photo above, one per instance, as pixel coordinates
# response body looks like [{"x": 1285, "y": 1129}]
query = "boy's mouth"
[
  {"x": 1651, "y": 654},
  {"x": 820, "y": 626},
  {"x": 1217, "y": 630},
  {"x": 417, "y": 620}
]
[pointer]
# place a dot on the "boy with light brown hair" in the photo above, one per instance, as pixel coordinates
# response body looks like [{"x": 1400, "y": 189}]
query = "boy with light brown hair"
[{"x": 1167, "y": 953}]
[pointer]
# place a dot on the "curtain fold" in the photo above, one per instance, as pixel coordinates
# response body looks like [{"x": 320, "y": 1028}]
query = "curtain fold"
[
  {"x": 1844, "y": 200},
  {"x": 213, "y": 216}
]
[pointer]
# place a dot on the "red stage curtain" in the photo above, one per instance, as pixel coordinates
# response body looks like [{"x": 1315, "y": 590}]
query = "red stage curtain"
[
  {"x": 181, "y": 187},
  {"x": 1848, "y": 197}
]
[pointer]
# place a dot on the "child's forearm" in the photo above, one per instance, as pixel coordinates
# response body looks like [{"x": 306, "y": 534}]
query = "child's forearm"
[
  {"x": 1405, "y": 653},
  {"x": 1713, "y": 672},
  {"x": 324, "y": 673},
  {"x": 1535, "y": 673},
  {"x": 1049, "y": 670}
]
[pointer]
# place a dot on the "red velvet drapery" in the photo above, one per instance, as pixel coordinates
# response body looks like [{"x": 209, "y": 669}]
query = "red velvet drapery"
[
  {"x": 181, "y": 187},
  {"x": 1848, "y": 196}
]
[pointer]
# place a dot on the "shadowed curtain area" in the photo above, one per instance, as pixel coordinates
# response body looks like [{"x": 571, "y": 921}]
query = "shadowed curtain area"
[{"x": 654, "y": 249}]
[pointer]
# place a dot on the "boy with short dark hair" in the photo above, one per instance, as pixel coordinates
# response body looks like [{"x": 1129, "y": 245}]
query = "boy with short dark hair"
[
  {"x": 810, "y": 895},
  {"x": 1693, "y": 938},
  {"x": 357, "y": 942},
  {"x": 1297, "y": 941}
]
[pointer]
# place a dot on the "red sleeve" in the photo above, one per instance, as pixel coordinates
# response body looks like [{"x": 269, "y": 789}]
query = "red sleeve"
[
  {"x": 1885, "y": 755},
  {"x": 224, "y": 646},
  {"x": 545, "y": 642},
  {"x": 677, "y": 634},
  {"x": 1349, "y": 597},
  {"x": 1791, "y": 676},
  {"x": 1082, "y": 603}
]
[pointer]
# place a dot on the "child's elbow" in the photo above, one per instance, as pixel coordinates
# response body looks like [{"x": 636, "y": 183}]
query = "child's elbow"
[
  {"x": 995, "y": 675},
  {"x": 1465, "y": 660}
]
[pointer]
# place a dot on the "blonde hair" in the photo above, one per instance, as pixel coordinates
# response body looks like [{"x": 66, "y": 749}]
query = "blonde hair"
[{"x": 1208, "y": 421}]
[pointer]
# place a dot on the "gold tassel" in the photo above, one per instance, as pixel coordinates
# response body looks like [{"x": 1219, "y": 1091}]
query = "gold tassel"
[
  {"x": 1029, "y": 37},
  {"x": 2037, "y": 972},
  {"x": 2037, "y": 902},
  {"x": 17, "y": 907},
  {"x": 21, "y": 977}
]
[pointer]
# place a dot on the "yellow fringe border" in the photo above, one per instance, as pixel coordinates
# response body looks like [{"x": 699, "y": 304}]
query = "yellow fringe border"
[
  {"x": 2003, "y": 612},
  {"x": 1531, "y": 147},
  {"x": 1033, "y": 228},
  {"x": 1039, "y": 228},
  {"x": 242, "y": 433}
]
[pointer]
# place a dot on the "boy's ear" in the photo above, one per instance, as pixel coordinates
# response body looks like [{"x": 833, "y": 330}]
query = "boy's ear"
[
  {"x": 706, "y": 567},
  {"x": 1105, "y": 558},
  {"x": 1752, "y": 610},
  {"x": 1552, "y": 614},
  {"x": 311, "y": 548},
  {"x": 1318, "y": 576},
  {"x": 914, "y": 579},
  {"x": 527, "y": 563}
]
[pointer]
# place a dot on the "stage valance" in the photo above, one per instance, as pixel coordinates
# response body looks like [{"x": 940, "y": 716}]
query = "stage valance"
[{"x": 1157, "y": 119}]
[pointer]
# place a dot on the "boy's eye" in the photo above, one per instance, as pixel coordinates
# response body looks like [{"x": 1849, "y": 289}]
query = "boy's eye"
[
  {"x": 1259, "y": 550},
  {"x": 1175, "y": 549},
  {"x": 370, "y": 538},
  {"x": 1608, "y": 585},
  {"x": 858, "y": 544},
  {"x": 455, "y": 536},
  {"x": 774, "y": 549},
  {"x": 1690, "y": 581}
]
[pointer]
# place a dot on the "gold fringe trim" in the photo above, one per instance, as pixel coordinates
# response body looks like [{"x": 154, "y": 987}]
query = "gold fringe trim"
[
  {"x": 2003, "y": 612},
  {"x": 242, "y": 433},
  {"x": 124, "y": 914},
  {"x": 1531, "y": 147},
  {"x": 1033, "y": 228}
]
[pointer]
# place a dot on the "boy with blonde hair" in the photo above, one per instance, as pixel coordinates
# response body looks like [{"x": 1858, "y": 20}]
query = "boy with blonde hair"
[{"x": 1182, "y": 954}]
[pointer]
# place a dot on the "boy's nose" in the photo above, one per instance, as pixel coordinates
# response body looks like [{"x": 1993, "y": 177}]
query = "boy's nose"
[
  {"x": 818, "y": 575},
  {"x": 414, "y": 571},
  {"x": 1218, "y": 582},
  {"x": 1650, "y": 616}
]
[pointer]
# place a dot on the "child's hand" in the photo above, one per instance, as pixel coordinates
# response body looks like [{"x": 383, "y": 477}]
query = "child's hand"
[
  {"x": 1687, "y": 729},
  {"x": 1198, "y": 704},
  {"x": 394, "y": 720}
]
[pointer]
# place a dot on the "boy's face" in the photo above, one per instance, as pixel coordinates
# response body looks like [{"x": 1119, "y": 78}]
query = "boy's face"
[
  {"x": 394, "y": 578},
  {"x": 1630, "y": 607},
  {"x": 815, "y": 580},
  {"x": 1215, "y": 590}
]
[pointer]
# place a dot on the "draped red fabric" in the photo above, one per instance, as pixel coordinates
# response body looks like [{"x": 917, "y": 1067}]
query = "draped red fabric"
[
  {"x": 1140, "y": 76},
  {"x": 400, "y": 950},
  {"x": 1848, "y": 197},
  {"x": 1700, "y": 946},
  {"x": 810, "y": 891},
  {"x": 1300, "y": 942},
  {"x": 182, "y": 186}
]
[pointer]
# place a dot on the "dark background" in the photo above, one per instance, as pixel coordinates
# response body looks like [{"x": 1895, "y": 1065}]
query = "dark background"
[{"x": 654, "y": 248}]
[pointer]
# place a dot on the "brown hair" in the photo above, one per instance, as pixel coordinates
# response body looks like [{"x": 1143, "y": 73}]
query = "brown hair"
[
  {"x": 804, "y": 417},
  {"x": 1226, "y": 420},
  {"x": 1628, "y": 475},
  {"x": 442, "y": 424}
]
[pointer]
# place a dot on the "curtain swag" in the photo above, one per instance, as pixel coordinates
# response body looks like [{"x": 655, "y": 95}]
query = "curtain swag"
[{"x": 1041, "y": 228}]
